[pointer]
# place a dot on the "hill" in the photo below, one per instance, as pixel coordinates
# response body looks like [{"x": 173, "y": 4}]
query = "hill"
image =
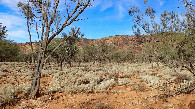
[
  {"x": 25, "y": 47},
  {"x": 120, "y": 42}
]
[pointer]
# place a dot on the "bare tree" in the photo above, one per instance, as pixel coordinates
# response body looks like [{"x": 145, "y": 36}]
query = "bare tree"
[{"x": 51, "y": 21}]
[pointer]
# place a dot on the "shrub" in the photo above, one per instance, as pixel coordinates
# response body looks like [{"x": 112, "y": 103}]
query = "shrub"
[
  {"x": 8, "y": 51},
  {"x": 104, "y": 85},
  {"x": 140, "y": 87},
  {"x": 186, "y": 87},
  {"x": 7, "y": 94},
  {"x": 80, "y": 82},
  {"x": 2, "y": 74},
  {"x": 26, "y": 57},
  {"x": 123, "y": 81},
  {"x": 102, "y": 106},
  {"x": 23, "y": 89},
  {"x": 152, "y": 81}
]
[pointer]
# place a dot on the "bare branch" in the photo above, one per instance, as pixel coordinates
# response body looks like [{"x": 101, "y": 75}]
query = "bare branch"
[
  {"x": 37, "y": 30},
  {"x": 54, "y": 13},
  {"x": 73, "y": 19},
  {"x": 47, "y": 24}
]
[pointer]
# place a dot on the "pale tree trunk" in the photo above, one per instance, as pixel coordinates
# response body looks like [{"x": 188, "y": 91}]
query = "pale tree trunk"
[
  {"x": 30, "y": 37},
  {"x": 37, "y": 74},
  {"x": 31, "y": 46}
]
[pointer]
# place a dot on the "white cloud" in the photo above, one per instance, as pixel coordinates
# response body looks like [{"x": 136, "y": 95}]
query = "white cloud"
[
  {"x": 106, "y": 4},
  {"x": 161, "y": 2},
  {"x": 96, "y": 3},
  {"x": 17, "y": 34},
  {"x": 120, "y": 7},
  {"x": 16, "y": 27},
  {"x": 121, "y": 11},
  {"x": 11, "y": 3},
  {"x": 12, "y": 21}
]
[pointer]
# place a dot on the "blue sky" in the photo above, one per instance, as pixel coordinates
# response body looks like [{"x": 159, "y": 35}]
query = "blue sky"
[{"x": 105, "y": 18}]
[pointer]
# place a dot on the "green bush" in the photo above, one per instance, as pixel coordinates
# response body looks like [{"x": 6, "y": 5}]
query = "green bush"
[
  {"x": 8, "y": 51},
  {"x": 21, "y": 57}
]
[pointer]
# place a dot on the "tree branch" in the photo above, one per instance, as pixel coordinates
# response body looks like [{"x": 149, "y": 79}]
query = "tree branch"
[
  {"x": 61, "y": 44},
  {"x": 65, "y": 23},
  {"x": 54, "y": 13}
]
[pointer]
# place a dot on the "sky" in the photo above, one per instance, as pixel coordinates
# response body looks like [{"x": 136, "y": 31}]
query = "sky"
[{"x": 106, "y": 18}]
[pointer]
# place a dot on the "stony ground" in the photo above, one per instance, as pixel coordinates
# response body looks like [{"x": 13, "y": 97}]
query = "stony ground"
[{"x": 98, "y": 86}]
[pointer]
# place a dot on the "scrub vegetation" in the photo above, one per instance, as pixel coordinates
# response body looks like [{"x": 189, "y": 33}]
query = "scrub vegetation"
[{"x": 153, "y": 69}]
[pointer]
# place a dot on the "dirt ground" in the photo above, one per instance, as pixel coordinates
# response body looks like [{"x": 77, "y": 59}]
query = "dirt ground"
[{"x": 117, "y": 97}]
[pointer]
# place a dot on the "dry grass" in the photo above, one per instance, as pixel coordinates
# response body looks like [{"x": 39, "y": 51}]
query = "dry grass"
[{"x": 91, "y": 78}]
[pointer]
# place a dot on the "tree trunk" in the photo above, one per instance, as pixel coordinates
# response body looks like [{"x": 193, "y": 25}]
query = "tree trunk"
[
  {"x": 36, "y": 81},
  {"x": 37, "y": 74},
  {"x": 30, "y": 37}
]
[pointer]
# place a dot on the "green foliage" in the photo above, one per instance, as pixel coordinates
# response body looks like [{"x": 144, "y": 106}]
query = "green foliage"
[
  {"x": 186, "y": 52},
  {"x": 174, "y": 42},
  {"x": 26, "y": 10},
  {"x": 2, "y": 31},
  {"x": 68, "y": 50},
  {"x": 8, "y": 50},
  {"x": 21, "y": 57},
  {"x": 102, "y": 52},
  {"x": 89, "y": 53},
  {"x": 169, "y": 21}
]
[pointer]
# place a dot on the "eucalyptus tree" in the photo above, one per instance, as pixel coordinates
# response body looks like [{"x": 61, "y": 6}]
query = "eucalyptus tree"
[
  {"x": 176, "y": 35},
  {"x": 68, "y": 50},
  {"x": 145, "y": 22},
  {"x": 186, "y": 49},
  {"x": 50, "y": 17}
]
